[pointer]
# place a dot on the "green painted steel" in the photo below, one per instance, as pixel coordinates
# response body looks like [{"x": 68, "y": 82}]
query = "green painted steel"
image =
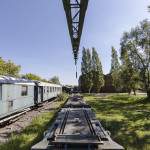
[{"x": 75, "y": 13}]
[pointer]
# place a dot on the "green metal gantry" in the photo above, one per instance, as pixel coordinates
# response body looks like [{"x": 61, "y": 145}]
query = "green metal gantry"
[{"x": 75, "y": 13}]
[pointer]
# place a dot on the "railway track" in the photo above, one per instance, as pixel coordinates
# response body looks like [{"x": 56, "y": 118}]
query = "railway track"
[
  {"x": 76, "y": 128},
  {"x": 12, "y": 118},
  {"x": 16, "y": 116}
]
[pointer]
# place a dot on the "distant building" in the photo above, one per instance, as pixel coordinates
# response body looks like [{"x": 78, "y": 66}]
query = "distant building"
[{"x": 108, "y": 85}]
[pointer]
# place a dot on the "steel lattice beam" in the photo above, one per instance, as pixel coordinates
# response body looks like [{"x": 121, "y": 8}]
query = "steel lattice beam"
[{"x": 75, "y": 14}]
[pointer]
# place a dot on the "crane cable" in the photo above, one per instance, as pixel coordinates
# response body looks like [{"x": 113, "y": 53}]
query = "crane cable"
[{"x": 76, "y": 71}]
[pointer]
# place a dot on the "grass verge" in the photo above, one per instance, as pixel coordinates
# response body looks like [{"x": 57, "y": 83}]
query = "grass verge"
[
  {"x": 34, "y": 132},
  {"x": 126, "y": 117}
]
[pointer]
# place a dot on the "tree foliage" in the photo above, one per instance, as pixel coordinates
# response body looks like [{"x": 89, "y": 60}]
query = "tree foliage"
[
  {"x": 2, "y": 66},
  {"x": 136, "y": 44},
  {"x": 129, "y": 74},
  {"x": 32, "y": 76},
  {"x": 91, "y": 78},
  {"x": 9, "y": 68},
  {"x": 115, "y": 70},
  {"x": 97, "y": 72},
  {"x": 55, "y": 80},
  {"x": 86, "y": 70},
  {"x": 115, "y": 66}
]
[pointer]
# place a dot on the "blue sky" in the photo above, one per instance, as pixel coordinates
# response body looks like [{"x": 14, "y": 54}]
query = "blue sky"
[{"x": 34, "y": 33}]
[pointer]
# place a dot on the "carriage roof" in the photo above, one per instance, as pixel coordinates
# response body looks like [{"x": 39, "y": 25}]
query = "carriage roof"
[
  {"x": 48, "y": 84},
  {"x": 13, "y": 80}
]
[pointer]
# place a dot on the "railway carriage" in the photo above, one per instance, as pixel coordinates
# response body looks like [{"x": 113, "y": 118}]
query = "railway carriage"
[
  {"x": 45, "y": 91},
  {"x": 15, "y": 95},
  {"x": 18, "y": 94}
]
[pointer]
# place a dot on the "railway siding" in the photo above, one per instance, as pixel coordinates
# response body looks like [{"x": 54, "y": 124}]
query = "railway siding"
[{"x": 29, "y": 128}]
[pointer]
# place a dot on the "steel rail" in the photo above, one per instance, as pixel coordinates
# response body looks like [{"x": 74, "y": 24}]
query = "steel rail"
[
  {"x": 90, "y": 124},
  {"x": 16, "y": 116},
  {"x": 62, "y": 128}
]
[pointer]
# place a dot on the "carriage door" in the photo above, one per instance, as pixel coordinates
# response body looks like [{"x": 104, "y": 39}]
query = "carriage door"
[
  {"x": 41, "y": 93},
  {"x": 10, "y": 97},
  {"x": 36, "y": 94}
]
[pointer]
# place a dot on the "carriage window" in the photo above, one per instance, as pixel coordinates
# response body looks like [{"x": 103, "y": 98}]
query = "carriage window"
[
  {"x": 40, "y": 90},
  {"x": 0, "y": 92},
  {"x": 24, "y": 90}
]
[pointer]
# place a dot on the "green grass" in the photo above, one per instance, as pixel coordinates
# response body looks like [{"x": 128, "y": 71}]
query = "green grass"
[
  {"x": 33, "y": 133},
  {"x": 126, "y": 117}
]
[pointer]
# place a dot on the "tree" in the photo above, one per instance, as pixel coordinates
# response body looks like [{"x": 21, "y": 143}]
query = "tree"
[
  {"x": 86, "y": 70},
  {"x": 115, "y": 69},
  {"x": 55, "y": 80},
  {"x": 114, "y": 60},
  {"x": 137, "y": 44},
  {"x": 97, "y": 72},
  {"x": 2, "y": 67},
  {"x": 9, "y": 68},
  {"x": 89, "y": 71},
  {"x": 12, "y": 69},
  {"x": 32, "y": 76},
  {"x": 129, "y": 75}
]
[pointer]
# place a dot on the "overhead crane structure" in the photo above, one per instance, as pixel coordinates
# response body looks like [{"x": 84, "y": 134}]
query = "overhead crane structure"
[{"x": 75, "y": 13}]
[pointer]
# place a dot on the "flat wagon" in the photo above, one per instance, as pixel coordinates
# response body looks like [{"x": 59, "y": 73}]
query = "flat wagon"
[{"x": 76, "y": 128}]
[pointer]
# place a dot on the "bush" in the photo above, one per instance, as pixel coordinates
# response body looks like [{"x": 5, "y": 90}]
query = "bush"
[{"x": 62, "y": 97}]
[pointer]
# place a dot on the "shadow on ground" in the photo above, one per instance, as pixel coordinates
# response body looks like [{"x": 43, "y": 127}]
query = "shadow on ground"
[{"x": 127, "y": 118}]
